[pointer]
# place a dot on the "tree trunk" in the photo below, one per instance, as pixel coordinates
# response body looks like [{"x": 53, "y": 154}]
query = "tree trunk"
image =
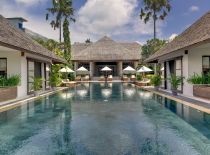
[
  {"x": 60, "y": 31},
  {"x": 154, "y": 19}
]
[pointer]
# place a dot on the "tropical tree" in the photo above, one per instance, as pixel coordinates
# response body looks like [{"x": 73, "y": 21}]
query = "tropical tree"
[
  {"x": 151, "y": 47},
  {"x": 155, "y": 9},
  {"x": 51, "y": 45},
  {"x": 87, "y": 40},
  {"x": 63, "y": 11}
]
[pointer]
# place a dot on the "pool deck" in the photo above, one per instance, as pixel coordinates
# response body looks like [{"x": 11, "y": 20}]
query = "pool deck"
[
  {"x": 6, "y": 105},
  {"x": 194, "y": 102}
]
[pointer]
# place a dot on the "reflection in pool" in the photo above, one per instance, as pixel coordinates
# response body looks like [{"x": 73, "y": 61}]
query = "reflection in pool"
[{"x": 78, "y": 121}]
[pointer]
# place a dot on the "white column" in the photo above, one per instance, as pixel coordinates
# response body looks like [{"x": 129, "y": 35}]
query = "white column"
[
  {"x": 43, "y": 77},
  {"x": 120, "y": 68},
  {"x": 91, "y": 69},
  {"x": 75, "y": 67},
  {"x": 136, "y": 64}
]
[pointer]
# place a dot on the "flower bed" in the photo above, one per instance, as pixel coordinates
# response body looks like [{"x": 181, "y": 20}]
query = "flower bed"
[
  {"x": 202, "y": 91},
  {"x": 8, "y": 93}
]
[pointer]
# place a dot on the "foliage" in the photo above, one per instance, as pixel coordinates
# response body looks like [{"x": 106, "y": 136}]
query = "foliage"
[
  {"x": 10, "y": 81},
  {"x": 175, "y": 81},
  {"x": 156, "y": 80},
  {"x": 37, "y": 84},
  {"x": 87, "y": 40},
  {"x": 149, "y": 76},
  {"x": 199, "y": 79},
  {"x": 151, "y": 47},
  {"x": 155, "y": 9},
  {"x": 67, "y": 42},
  {"x": 138, "y": 77},
  {"x": 62, "y": 10},
  {"x": 51, "y": 45},
  {"x": 55, "y": 79}
]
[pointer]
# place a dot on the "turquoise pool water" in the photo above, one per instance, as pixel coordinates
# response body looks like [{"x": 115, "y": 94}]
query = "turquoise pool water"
[{"x": 104, "y": 119}]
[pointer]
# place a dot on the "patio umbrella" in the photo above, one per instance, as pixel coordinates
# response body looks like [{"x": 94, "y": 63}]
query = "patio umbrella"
[
  {"x": 106, "y": 69},
  {"x": 82, "y": 70},
  {"x": 129, "y": 70},
  {"x": 66, "y": 70},
  {"x": 144, "y": 69}
]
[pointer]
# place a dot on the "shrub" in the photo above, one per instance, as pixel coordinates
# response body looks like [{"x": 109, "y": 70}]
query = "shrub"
[
  {"x": 156, "y": 80},
  {"x": 10, "y": 81},
  {"x": 37, "y": 84},
  {"x": 199, "y": 79},
  {"x": 175, "y": 81},
  {"x": 138, "y": 77},
  {"x": 55, "y": 79}
]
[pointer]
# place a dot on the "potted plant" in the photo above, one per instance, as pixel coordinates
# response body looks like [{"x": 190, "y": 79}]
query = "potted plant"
[
  {"x": 175, "y": 83},
  {"x": 55, "y": 76},
  {"x": 8, "y": 86},
  {"x": 201, "y": 87},
  {"x": 156, "y": 81},
  {"x": 37, "y": 85}
]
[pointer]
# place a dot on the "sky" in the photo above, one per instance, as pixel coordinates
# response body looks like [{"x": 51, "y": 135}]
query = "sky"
[{"x": 118, "y": 19}]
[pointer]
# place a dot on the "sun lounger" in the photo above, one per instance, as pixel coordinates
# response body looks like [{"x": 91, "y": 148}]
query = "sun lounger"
[
  {"x": 67, "y": 83},
  {"x": 109, "y": 78},
  {"x": 102, "y": 78},
  {"x": 125, "y": 78},
  {"x": 86, "y": 78},
  {"x": 78, "y": 78},
  {"x": 144, "y": 82},
  {"x": 133, "y": 78}
]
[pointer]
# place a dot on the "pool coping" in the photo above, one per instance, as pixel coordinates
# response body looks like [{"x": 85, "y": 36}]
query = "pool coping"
[
  {"x": 16, "y": 103},
  {"x": 193, "y": 103}
]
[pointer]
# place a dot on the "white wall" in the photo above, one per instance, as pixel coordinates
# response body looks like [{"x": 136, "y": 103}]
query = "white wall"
[{"x": 15, "y": 64}]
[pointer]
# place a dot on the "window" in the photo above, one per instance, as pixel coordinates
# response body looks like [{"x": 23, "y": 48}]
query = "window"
[
  {"x": 178, "y": 64},
  {"x": 206, "y": 64},
  {"x": 3, "y": 67},
  {"x": 20, "y": 25},
  {"x": 30, "y": 75}
]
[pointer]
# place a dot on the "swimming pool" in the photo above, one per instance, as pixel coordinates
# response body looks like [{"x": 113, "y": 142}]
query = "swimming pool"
[{"x": 99, "y": 118}]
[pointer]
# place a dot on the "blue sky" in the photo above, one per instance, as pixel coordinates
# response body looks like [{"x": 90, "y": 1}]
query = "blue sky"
[{"x": 118, "y": 19}]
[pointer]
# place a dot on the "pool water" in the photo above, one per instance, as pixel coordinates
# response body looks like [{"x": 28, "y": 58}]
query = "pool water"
[{"x": 104, "y": 119}]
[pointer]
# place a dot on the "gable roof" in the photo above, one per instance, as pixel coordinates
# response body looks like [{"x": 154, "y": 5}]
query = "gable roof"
[
  {"x": 196, "y": 33},
  {"x": 16, "y": 39},
  {"x": 106, "y": 49}
]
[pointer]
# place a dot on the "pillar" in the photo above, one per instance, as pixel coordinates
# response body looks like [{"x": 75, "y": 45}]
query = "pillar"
[
  {"x": 136, "y": 63},
  {"x": 120, "y": 68},
  {"x": 91, "y": 69},
  {"x": 75, "y": 68},
  {"x": 43, "y": 76}
]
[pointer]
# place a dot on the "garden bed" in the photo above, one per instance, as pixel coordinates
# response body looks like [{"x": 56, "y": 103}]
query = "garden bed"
[
  {"x": 8, "y": 93},
  {"x": 202, "y": 91}
]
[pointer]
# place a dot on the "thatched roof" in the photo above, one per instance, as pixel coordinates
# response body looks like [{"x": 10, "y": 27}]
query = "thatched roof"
[
  {"x": 197, "y": 33},
  {"x": 16, "y": 39},
  {"x": 106, "y": 49}
]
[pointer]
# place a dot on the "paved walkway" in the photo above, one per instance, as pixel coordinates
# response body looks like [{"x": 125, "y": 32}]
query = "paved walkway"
[{"x": 194, "y": 102}]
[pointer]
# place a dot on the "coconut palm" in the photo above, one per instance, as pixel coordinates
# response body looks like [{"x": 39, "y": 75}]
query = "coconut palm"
[
  {"x": 63, "y": 11},
  {"x": 155, "y": 9},
  {"x": 60, "y": 9}
]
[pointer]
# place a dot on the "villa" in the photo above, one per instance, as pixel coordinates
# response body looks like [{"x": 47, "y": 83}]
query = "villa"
[
  {"x": 106, "y": 52},
  {"x": 187, "y": 54},
  {"x": 21, "y": 55}
]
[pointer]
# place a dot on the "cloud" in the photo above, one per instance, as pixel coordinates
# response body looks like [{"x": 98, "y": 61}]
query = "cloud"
[
  {"x": 118, "y": 19},
  {"x": 173, "y": 36},
  {"x": 29, "y": 2},
  {"x": 194, "y": 9},
  {"x": 97, "y": 18}
]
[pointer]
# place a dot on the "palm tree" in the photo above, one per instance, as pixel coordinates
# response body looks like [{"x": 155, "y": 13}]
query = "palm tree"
[
  {"x": 60, "y": 9},
  {"x": 157, "y": 9},
  {"x": 63, "y": 11}
]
